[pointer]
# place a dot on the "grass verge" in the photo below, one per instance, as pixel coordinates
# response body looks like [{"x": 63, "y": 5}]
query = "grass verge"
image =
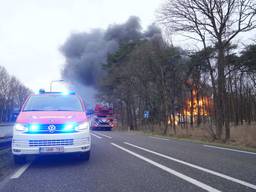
[{"x": 217, "y": 143}]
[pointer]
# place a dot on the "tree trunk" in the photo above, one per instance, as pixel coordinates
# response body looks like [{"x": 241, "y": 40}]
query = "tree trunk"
[
  {"x": 192, "y": 109},
  {"x": 221, "y": 92}
]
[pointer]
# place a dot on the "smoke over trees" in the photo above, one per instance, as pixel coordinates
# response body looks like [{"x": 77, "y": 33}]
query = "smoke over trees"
[
  {"x": 86, "y": 53},
  {"x": 129, "y": 31}
]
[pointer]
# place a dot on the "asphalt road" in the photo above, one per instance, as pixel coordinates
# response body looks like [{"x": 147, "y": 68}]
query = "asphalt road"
[{"x": 133, "y": 162}]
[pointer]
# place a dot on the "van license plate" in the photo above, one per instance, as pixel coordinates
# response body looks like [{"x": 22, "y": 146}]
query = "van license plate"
[{"x": 51, "y": 149}]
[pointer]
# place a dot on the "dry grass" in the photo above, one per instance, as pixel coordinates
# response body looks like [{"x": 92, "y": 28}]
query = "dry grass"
[{"x": 242, "y": 135}]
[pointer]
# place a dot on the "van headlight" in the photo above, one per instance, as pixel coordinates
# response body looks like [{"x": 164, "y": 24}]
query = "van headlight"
[
  {"x": 83, "y": 126},
  {"x": 20, "y": 127}
]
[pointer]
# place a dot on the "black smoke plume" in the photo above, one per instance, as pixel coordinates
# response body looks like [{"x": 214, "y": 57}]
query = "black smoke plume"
[{"x": 85, "y": 53}]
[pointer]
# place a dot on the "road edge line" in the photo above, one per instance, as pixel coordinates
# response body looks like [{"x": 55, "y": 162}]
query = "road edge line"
[
  {"x": 229, "y": 149},
  {"x": 20, "y": 171},
  {"x": 101, "y": 134},
  {"x": 97, "y": 136},
  {"x": 159, "y": 138},
  {"x": 241, "y": 182},
  {"x": 171, "y": 171}
]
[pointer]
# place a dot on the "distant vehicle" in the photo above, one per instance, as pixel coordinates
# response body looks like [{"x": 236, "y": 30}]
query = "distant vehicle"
[
  {"x": 51, "y": 123},
  {"x": 103, "y": 118}
]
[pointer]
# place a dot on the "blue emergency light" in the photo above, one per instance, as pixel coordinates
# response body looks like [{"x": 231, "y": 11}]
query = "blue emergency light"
[
  {"x": 69, "y": 127},
  {"x": 65, "y": 92},
  {"x": 34, "y": 128}
]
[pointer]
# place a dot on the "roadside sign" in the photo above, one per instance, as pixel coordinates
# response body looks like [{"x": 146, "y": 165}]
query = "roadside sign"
[{"x": 146, "y": 114}]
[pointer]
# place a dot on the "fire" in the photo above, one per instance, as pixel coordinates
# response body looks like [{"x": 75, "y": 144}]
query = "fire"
[
  {"x": 194, "y": 106},
  {"x": 176, "y": 120},
  {"x": 201, "y": 106}
]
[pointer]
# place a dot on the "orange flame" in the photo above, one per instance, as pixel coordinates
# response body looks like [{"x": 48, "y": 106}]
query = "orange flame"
[{"x": 201, "y": 106}]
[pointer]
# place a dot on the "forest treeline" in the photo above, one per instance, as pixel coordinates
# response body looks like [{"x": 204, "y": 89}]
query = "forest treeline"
[
  {"x": 150, "y": 75},
  {"x": 12, "y": 95},
  {"x": 215, "y": 85}
]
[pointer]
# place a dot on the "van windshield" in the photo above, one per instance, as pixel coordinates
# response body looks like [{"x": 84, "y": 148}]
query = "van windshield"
[{"x": 53, "y": 103}]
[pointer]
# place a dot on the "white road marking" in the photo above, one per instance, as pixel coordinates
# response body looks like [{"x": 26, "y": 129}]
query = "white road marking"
[
  {"x": 159, "y": 138},
  {"x": 235, "y": 150},
  {"x": 101, "y": 134},
  {"x": 96, "y": 136},
  {"x": 171, "y": 171},
  {"x": 20, "y": 171},
  {"x": 196, "y": 167}
]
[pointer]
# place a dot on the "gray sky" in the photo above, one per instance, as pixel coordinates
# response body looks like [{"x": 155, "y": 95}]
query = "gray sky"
[{"x": 31, "y": 31}]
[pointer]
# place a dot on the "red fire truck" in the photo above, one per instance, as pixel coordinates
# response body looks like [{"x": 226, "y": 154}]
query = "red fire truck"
[{"x": 103, "y": 118}]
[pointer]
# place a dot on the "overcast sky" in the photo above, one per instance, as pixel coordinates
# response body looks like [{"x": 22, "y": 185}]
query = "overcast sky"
[{"x": 31, "y": 31}]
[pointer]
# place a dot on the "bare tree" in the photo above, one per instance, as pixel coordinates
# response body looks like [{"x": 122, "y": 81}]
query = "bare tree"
[
  {"x": 215, "y": 23},
  {"x": 12, "y": 94}
]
